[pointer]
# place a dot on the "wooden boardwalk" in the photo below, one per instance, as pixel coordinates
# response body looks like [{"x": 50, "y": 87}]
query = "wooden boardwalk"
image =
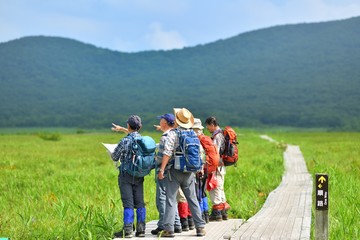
[
  {"x": 214, "y": 230},
  {"x": 286, "y": 213}
]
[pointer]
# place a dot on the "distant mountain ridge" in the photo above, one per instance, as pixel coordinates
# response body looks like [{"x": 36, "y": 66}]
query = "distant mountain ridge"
[{"x": 305, "y": 75}]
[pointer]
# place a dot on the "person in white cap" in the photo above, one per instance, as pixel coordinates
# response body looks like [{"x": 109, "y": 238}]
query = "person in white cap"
[
  {"x": 174, "y": 178},
  {"x": 201, "y": 176}
]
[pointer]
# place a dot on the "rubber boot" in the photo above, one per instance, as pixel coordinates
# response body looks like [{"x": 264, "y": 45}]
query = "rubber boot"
[{"x": 140, "y": 222}]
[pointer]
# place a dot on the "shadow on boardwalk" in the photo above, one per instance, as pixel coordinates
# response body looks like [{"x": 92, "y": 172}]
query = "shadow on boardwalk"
[{"x": 286, "y": 213}]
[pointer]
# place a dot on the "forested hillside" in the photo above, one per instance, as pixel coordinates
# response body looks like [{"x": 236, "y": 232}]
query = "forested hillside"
[{"x": 305, "y": 75}]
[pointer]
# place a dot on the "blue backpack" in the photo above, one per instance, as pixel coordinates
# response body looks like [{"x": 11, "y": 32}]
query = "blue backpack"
[
  {"x": 143, "y": 159},
  {"x": 187, "y": 155}
]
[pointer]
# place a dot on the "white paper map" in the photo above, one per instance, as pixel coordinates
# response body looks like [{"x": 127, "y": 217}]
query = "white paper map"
[{"x": 110, "y": 149}]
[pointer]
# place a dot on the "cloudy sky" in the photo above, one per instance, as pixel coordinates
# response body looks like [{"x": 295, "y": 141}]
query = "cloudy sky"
[{"x": 137, "y": 25}]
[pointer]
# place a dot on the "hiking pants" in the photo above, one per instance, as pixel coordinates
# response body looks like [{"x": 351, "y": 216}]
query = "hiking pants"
[
  {"x": 186, "y": 180},
  {"x": 161, "y": 204},
  {"x": 217, "y": 195},
  {"x": 131, "y": 190}
]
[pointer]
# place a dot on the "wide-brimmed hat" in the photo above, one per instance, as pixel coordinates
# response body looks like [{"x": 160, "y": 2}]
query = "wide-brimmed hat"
[
  {"x": 184, "y": 117},
  {"x": 197, "y": 124}
]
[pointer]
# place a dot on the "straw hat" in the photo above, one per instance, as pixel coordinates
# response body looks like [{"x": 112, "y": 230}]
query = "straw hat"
[{"x": 183, "y": 117}]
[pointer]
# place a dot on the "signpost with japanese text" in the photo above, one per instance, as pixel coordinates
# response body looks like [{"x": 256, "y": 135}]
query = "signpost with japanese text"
[
  {"x": 322, "y": 192},
  {"x": 321, "y": 206}
]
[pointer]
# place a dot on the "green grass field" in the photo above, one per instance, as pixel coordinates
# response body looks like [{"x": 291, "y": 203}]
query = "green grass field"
[{"x": 64, "y": 186}]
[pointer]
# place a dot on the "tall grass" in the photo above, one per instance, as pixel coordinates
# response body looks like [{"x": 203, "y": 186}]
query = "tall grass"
[{"x": 67, "y": 189}]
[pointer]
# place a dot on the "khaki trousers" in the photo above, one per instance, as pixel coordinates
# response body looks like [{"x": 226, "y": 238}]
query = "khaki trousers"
[{"x": 217, "y": 195}]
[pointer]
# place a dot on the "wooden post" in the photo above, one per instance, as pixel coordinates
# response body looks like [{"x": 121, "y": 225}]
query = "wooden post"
[{"x": 322, "y": 204}]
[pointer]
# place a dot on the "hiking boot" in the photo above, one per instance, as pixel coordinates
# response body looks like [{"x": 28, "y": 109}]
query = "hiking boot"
[
  {"x": 140, "y": 234},
  {"x": 126, "y": 232},
  {"x": 156, "y": 231},
  {"x": 184, "y": 224},
  {"x": 200, "y": 232},
  {"x": 140, "y": 229},
  {"x": 215, "y": 216},
  {"x": 224, "y": 215},
  {"x": 178, "y": 230},
  {"x": 165, "y": 233},
  {"x": 123, "y": 234},
  {"x": 191, "y": 223}
]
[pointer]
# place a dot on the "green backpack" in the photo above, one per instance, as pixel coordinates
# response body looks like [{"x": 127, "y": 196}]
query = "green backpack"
[{"x": 143, "y": 157}]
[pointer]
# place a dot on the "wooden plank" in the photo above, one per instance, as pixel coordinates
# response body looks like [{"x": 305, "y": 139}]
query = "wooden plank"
[
  {"x": 286, "y": 213},
  {"x": 214, "y": 230}
]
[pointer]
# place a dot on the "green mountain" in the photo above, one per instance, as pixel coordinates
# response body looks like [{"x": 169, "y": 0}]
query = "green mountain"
[{"x": 305, "y": 75}]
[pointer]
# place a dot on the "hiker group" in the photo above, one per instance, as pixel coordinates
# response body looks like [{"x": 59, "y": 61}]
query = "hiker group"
[{"x": 188, "y": 164}]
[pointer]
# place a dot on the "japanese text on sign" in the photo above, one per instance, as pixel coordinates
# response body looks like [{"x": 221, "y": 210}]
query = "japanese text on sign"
[{"x": 322, "y": 191}]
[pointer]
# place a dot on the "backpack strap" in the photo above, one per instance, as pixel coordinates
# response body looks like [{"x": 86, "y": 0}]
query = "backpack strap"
[
  {"x": 216, "y": 133},
  {"x": 178, "y": 133},
  {"x": 132, "y": 144}
]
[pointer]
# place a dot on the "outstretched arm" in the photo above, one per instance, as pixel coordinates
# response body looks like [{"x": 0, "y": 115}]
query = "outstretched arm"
[{"x": 117, "y": 128}]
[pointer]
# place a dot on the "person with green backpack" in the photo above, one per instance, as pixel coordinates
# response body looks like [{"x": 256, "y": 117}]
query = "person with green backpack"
[{"x": 136, "y": 154}]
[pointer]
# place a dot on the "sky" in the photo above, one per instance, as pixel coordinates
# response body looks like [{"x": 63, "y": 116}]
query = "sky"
[{"x": 141, "y": 25}]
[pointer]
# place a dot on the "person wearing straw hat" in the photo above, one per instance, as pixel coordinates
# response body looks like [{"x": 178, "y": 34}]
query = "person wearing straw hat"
[{"x": 174, "y": 178}]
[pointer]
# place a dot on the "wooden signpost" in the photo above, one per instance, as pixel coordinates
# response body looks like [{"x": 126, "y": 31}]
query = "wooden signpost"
[{"x": 321, "y": 206}]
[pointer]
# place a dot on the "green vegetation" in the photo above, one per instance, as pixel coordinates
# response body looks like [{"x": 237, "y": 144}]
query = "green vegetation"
[
  {"x": 68, "y": 188},
  {"x": 303, "y": 75},
  {"x": 337, "y": 154}
]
